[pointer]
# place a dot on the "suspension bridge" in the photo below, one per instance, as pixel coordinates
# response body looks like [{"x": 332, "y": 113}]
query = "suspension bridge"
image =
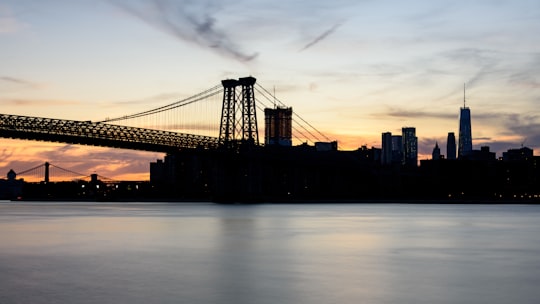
[
  {"x": 48, "y": 172},
  {"x": 221, "y": 116}
]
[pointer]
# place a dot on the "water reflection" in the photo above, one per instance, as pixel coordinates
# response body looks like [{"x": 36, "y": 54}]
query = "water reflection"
[{"x": 196, "y": 253}]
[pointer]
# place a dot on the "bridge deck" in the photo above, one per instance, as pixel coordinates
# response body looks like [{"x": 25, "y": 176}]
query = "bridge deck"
[{"x": 100, "y": 134}]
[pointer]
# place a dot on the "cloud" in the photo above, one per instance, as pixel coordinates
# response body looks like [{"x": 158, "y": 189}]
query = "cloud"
[
  {"x": 189, "y": 21},
  {"x": 8, "y": 22},
  {"x": 393, "y": 112},
  {"x": 162, "y": 98},
  {"x": 20, "y": 102},
  {"x": 524, "y": 79},
  {"x": 524, "y": 126},
  {"x": 527, "y": 75},
  {"x": 15, "y": 83},
  {"x": 15, "y": 80},
  {"x": 322, "y": 36}
]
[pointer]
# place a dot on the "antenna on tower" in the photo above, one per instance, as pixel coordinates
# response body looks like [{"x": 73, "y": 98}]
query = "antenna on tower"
[{"x": 464, "y": 95}]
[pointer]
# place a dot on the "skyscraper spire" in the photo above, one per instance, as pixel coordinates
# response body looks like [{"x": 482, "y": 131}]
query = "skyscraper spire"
[
  {"x": 436, "y": 154},
  {"x": 464, "y": 105},
  {"x": 465, "y": 136}
]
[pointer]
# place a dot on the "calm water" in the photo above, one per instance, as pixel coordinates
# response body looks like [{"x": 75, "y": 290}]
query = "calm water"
[{"x": 206, "y": 253}]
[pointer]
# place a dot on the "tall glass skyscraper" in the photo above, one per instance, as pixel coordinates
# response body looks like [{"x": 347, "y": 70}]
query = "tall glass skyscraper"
[
  {"x": 386, "y": 153},
  {"x": 397, "y": 149},
  {"x": 465, "y": 134},
  {"x": 451, "y": 146},
  {"x": 410, "y": 146}
]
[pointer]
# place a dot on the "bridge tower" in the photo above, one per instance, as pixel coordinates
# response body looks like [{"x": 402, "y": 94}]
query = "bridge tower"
[
  {"x": 238, "y": 113},
  {"x": 250, "y": 131},
  {"x": 47, "y": 172},
  {"x": 228, "y": 112}
]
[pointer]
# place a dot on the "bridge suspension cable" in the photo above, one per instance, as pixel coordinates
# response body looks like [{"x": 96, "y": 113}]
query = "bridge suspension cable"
[
  {"x": 301, "y": 122},
  {"x": 198, "y": 114},
  {"x": 184, "y": 102},
  {"x": 41, "y": 172},
  {"x": 265, "y": 99},
  {"x": 30, "y": 170},
  {"x": 166, "y": 128}
]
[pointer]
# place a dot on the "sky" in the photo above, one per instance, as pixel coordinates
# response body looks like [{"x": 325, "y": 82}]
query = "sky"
[{"x": 353, "y": 69}]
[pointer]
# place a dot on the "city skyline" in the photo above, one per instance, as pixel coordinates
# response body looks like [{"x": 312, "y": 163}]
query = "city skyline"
[{"x": 365, "y": 68}]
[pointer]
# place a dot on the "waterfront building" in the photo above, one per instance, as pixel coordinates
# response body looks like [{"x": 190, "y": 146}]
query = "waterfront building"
[
  {"x": 387, "y": 150},
  {"x": 465, "y": 132},
  {"x": 522, "y": 154},
  {"x": 326, "y": 146},
  {"x": 451, "y": 146},
  {"x": 397, "y": 149},
  {"x": 11, "y": 188},
  {"x": 278, "y": 126},
  {"x": 410, "y": 146},
  {"x": 436, "y": 154},
  {"x": 484, "y": 154}
]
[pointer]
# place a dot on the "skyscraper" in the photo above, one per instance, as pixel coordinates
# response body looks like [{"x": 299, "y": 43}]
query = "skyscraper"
[
  {"x": 410, "y": 146},
  {"x": 436, "y": 154},
  {"x": 397, "y": 149},
  {"x": 386, "y": 153},
  {"x": 451, "y": 146},
  {"x": 465, "y": 133},
  {"x": 278, "y": 126}
]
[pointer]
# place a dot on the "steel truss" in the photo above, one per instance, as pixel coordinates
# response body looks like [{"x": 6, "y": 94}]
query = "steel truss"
[
  {"x": 238, "y": 114},
  {"x": 100, "y": 134}
]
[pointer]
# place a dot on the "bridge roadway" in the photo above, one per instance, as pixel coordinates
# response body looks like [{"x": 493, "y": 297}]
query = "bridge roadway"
[{"x": 100, "y": 134}]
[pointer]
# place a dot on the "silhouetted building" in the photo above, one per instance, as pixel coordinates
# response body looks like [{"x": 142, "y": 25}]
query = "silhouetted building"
[
  {"x": 522, "y": 154},
  {"x": 410, "y": 146},
  {"x": 157, "y": 171},
  {"x": 436, "y": 154},
  {"x": 465, "y": 133},
  {"x": 11, "y": 175},
  {"x": 278, "y": 126},
  {"x": 367, "y": 155},
  {"x": 11, "y": 188},
  {"x": 480, "y": 155},
  {"x": 397, "y": 149},
  {"x": 386, "y": 152},
  {"x": 451, "y": 146},
  {"x": 326, "y": 146}
]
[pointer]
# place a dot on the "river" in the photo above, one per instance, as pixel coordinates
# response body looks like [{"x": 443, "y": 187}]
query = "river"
[{"x": 73, "y": 252}]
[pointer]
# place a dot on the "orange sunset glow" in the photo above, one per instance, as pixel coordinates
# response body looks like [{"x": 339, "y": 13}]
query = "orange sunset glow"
[{"x": 351, "y": 69}]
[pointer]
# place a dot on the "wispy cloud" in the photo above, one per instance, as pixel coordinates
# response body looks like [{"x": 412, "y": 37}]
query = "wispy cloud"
[
  {"x": 8, "y": 22},
  {"x": 14, "y": 80},
  {"x": 163, "y": 98},
  {"x": 395, "y": 112},
  {"x": 525, "y": 126},
  {"x": 21, "y": 102},
  {"x": 527, "y": 76},
  {"x": 10, "y": 82},
  {"x": 190, "y": 21},
  {"x": 322, "y": 36}
]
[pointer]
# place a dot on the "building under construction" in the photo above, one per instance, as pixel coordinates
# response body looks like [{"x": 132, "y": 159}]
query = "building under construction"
[{"x": 278, "y": 126}]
